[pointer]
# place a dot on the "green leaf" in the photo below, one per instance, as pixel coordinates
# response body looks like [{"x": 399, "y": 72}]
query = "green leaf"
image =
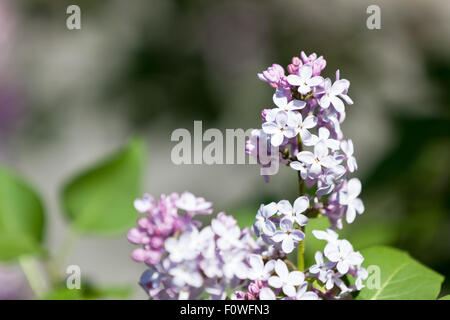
[
  {"x": 100, "y": 200},
  {"x": 447, "y": 297},
  {"x": 90, "y": 292},
  {"x": 367, "y": 234},
  {"x": 401, "y": 277},
  {"x": 21, "y": 217},
  {"x": 62, "y": 293},
  {"x": 311, "y": 243}
]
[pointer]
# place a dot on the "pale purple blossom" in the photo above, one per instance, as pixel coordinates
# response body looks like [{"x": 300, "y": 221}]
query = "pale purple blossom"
[
  {"x": 301, "y": 127},
  {"x": 320, "y": 158},
  {"x": 193, "y": 205},
  {"x": 347, "y": 148},
  {"x": 303, "y": 293},
  {"x": 295, "y": 212},
  {"x": 304, "y": 79},
  {"x": 288, "y": 236},
  {"x": 280, "y": 128},
  {"x": 263, "y": 222},
  {"x": 349, "y": 198},
  {"x": 286, "y": 280},
  {"x": 343, "y": 254},
  {"x": 331, "y": 94}
]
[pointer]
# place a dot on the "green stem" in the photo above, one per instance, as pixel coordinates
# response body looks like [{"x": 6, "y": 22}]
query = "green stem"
[
  {"x": 301, "y": 255},
  {"x": 301, "y": 191},
  {"x": 31, "y": 270},
  {"x": 62, "y": 254}
]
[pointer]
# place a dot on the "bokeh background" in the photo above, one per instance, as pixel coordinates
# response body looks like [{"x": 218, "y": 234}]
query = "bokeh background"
[{"x": 147, "y": 67}]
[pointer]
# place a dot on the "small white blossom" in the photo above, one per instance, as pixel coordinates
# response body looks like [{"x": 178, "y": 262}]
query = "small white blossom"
[
  {"x": 285, "y": 279},
  {"x": 263, "y": 221},
  {"x": 304, "y": 79},
  {"x": 349, "y": 198},
  {"x": 288, "y": 236}
]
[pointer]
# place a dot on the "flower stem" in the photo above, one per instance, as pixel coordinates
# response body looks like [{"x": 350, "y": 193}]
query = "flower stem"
[
  {"x": 59, "y": 259},
  {"x": 30, "y": 268},
  {"x": 301, "y": 191}
]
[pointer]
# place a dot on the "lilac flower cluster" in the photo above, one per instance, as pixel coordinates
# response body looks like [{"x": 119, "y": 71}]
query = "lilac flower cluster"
[
  {"x": 221, "y": 261},
  {"x": 185, "y": 260},
  {"x": 308, "y": 115},
  {"x": 342, "y": 260}
]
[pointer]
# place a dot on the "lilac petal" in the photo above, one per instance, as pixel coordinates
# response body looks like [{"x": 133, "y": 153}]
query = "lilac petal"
[
  {"x": 305, "y": 135},
  {"x": 329, "y": 284},
  {"x": 296, "y": 278},
  {"x": 275, "y": 282},
  {"x": 354, "y": 188},
  {"x": 288, "y": 244},
  {"x": 277, "y": 139},
  {"x": 331, "y": 251},
  {"x": 290, "y": 132},
  {"x": 309, "y": 296},
  {"x": 294, "y": 80},
  {"x": 355, "y": 258},
  {"x": 279, "y": 236},
  {"x": 310, "y": 122},
  {"x": 286, "y": 224},
  {"x": 270, "y": 127},
  {"x": 296, "y": 165},
  {"x": 280, "y": 99},
  {"x": 339, "y": 86},
  {"x": 347, "y": 147},
  {"x": 358, "y": 205},
  {"x": 318, "y": 256},
  {"x": 324, "y": 102},
  {"x": 320, "y": 149},
  {"x": 328, "y": 162},
  {"x": 315, "y": 169},
  {"x": 301, "y": 219},
  {"x": 312, "y": 141},
  {"x": 346, "y": 98},
  {"x": 266, "y": 294},
  {"x": 315, "y": 81},
  {"x": 328, "y": 235},
  {"x": 314, "y": 269},
  {"x": 324, "y": 133},
  {"x": 302, "y": 289},
  {"x": 350, "y": 214},
  {"x": 333, "y": 144},
  {"x": 269, "y": 228},
  {"x": 306, "y": 157},
  {"x": 297, "y": 235},
  {"x": 342, "y": 267},
  {"x": 284, "y": 207},
  {"x": 304, "y": 89},
  {"x": 305, "y": 72},
  {"x": 256, "y": 263},
  {"x": 345, "y": 247},
  {"x": 337, "y": 104},
  {"x": 301, "y": 204},
  {"x": 296, "y": 104},
  {"x": 289, "y": 290},
  {"x": 281, "y": 269},
  {"x": 281, "y": 119},
  {"x": 270, "y": 209},
  {"x": 352, "y": 165}
]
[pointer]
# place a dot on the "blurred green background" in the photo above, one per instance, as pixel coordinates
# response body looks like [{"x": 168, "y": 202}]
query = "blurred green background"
[{"x": 147, "y": 67}]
